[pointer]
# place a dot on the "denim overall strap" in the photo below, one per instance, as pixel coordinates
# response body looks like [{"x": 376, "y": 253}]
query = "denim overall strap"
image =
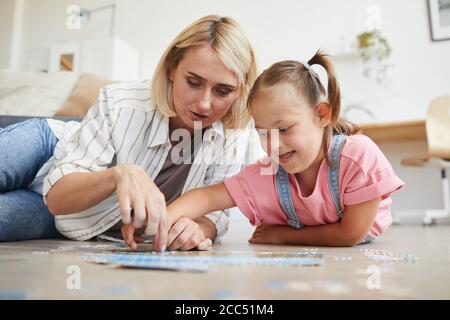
[
  {"x": 333, "y": 176},
  {"x": 333, "y": 172},
  {"x": 285, "y": 198}
]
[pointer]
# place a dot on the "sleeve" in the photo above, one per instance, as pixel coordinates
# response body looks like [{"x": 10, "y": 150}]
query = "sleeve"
[
  {"x": 231, "y": 161},
  {"x": 368, "y": 175},
  {"x": 241, "y": 190},
  {"x": 88, "y": 149}
]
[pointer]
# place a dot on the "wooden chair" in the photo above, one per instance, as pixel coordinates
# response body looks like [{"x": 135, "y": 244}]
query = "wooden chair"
[{"x": 438, "y": 155}]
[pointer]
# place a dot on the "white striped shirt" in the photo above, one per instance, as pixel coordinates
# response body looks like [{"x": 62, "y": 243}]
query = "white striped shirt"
[{"x": 124, "y": 127}]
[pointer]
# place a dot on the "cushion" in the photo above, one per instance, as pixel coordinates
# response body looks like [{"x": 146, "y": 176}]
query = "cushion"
[
  {"x": 82, "y": 96},
  {"x": 34, "y": 93}
]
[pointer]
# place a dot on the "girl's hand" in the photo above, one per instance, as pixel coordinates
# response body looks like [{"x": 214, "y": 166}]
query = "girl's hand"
[
  {"x": 267, "y": 234},
  {"x": 186, "y": 234},
  {"x": 138, "y": 193}
]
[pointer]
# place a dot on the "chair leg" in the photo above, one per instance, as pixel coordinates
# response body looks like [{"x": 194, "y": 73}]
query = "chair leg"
[
  {"x": 445, "y": 189},
  {"x": 431, "y": 215}
]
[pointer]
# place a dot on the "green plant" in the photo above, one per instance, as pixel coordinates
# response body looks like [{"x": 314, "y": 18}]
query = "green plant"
[{"x": 375, "y": 51}]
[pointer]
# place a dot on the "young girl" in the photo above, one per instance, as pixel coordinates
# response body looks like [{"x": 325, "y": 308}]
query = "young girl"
[{"x": 332, "y": 186}]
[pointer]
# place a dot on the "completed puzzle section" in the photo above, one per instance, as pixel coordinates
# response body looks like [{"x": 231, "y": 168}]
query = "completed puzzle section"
[{"x": 203, "y": 261}]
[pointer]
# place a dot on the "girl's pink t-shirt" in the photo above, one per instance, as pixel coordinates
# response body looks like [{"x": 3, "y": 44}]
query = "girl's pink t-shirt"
[{"x": 365, "y": 174}]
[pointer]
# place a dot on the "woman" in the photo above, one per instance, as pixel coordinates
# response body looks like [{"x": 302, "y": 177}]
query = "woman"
[{"x": 116, "y": 166}]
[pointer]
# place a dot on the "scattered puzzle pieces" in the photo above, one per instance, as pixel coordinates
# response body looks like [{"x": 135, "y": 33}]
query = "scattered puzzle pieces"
[
  {"x": 386, "y": 256},
  {"x": 343, "y": 258}
]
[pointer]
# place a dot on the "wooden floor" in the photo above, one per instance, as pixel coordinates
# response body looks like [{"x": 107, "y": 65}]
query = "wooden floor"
[{"x": 27, "y": 273}]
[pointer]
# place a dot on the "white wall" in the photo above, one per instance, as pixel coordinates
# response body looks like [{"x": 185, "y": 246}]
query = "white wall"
[
  {"x": 46, "y": 25},
  {"x": 292, "y": 29},
  {"x": 282, "y": 29},
  {"x": 45, "y": 22},
  {"x": 6, "y": 32}
]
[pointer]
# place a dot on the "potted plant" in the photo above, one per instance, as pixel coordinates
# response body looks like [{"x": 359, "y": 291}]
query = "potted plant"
[{"x": 375, "y": 51}]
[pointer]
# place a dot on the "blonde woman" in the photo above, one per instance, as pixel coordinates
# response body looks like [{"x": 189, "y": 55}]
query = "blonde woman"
[{"x": 119, "y": 166}]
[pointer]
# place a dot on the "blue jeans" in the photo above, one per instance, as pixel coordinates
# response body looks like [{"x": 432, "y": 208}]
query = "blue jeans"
[{"x": 24, "y": 148}]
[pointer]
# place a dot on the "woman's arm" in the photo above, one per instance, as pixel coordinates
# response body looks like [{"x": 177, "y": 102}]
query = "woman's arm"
[
  {"x": 350, "y": 231},
  {"x": 135, "y": 190},
  {"x": 76, "y": 192},
  {"x": 80, "y": 177},
  {"x": 199, "y": 202}
]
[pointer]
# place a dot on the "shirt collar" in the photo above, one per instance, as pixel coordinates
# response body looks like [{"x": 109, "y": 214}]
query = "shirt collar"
[{"x": 159, "y": 133}]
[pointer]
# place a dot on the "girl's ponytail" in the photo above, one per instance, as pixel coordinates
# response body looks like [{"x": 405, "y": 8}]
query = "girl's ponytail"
[{"x": 337, "y": 125}]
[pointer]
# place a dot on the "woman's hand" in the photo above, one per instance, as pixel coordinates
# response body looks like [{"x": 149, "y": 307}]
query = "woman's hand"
[{"x": 141, "y": 204}]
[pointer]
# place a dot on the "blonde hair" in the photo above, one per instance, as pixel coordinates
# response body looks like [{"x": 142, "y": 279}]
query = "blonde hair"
[
  {"x": 225, "y": 36},
  {"x": 308, "y": 85}
]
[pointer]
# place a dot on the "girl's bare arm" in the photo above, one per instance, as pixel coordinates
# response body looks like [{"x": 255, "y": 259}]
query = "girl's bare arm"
[
  {"x": 350, "y": 231},
  {"x": 199, "y": 202}
]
